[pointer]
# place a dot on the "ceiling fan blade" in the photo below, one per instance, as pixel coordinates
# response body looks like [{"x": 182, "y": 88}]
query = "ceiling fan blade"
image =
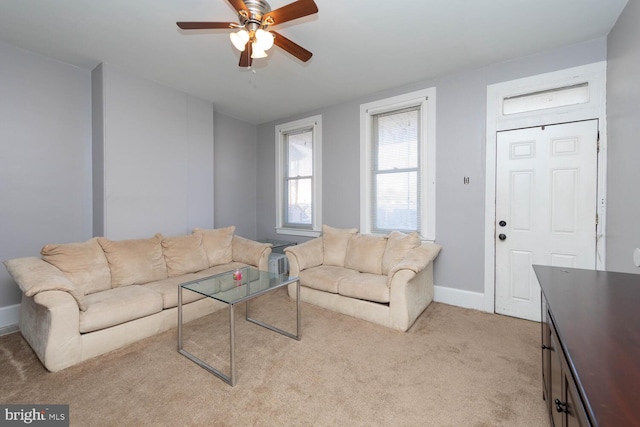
[
  {"x": 238, "y": 5},
  {"x": 293, "y": 48},
  {"x": 294, "y": 10},
  {"x": 245, "y": 56},
  {"x": 205, "y": 25}
]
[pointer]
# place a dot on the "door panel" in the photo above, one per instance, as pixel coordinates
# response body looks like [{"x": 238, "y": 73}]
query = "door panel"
[{"x": 546, "y": 183}]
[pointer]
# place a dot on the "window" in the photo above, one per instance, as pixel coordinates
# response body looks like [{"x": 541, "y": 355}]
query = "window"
[
  {"x": 549, "y": 98},
  {"x": 398, "y": 164},
  {"x": 298, "y": 186}
]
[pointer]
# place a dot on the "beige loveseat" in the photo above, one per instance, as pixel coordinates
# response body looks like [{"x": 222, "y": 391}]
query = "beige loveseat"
[
  {"x": 84, "y": 299},
  {"x": 386, "y": 280}
]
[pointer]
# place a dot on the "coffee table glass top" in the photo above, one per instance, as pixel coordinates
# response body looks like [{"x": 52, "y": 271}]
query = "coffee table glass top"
[{"x": 236, "y": 286}]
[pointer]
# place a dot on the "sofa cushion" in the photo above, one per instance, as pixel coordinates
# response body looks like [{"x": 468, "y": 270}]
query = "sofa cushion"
[
  {"x": 217, "y": 244},
  {"x": 366, "y": 286},
  {"x": 335, "y": 242},
  {"x": 364, "y": 253},
  {"x": 325, "y": 277},
  {"x": 135, "y": 261},
  {"x": 83, "y": 263},
  {"x": 169, "y": 289},
  {"x": 119, "y": 305},
  {"x": 398, "y": 246},
  {"x": 184, "y": 254}
]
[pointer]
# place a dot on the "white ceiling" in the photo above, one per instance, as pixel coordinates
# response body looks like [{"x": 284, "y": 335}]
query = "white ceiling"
[{"x": 360, "y": 47}]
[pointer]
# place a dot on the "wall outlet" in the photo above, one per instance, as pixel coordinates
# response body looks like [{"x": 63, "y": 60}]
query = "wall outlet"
[{"x": 636, "y": 257}]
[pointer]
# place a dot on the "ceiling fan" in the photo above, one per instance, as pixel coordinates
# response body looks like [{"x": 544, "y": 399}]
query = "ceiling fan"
[{"x": 255, "y": 16}]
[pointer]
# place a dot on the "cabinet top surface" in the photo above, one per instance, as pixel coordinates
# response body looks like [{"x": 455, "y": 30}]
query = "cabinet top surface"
[{"x": 597, "y": 317}]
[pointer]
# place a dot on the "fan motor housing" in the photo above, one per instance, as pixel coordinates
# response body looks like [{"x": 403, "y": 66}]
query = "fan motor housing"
[{"x": 257, "y": 10}]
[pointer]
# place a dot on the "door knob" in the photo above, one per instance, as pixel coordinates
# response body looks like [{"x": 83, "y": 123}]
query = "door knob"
[
  {"x": 502, "y": 236},
  {"x": 561, "y": 406},
  {"x": 502, "y": 223}
]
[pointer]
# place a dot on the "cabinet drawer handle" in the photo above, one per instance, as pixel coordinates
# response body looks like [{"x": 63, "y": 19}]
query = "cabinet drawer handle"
[
  {"x": 546, "y": 347},
  {"x": 560, "y": 407}
]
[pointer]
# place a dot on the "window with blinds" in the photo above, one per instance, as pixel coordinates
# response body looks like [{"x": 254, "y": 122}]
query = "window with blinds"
[
  {"x": 395, "y": 187},
  {"x": 398, "y": 164},
  {"x": 298, "y": 178}
]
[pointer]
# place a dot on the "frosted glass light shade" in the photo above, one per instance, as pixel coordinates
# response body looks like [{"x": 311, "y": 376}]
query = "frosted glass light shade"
[
  {"x": 256, "y": 52},
  {"x": 239, "y": 39},
  {"x": 264, "y": 40}
]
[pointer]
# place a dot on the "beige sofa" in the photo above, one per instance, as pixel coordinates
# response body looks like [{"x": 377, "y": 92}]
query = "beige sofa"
[
  {"x": 386, "y": 280},
  {"x": 84, "y": 299}
]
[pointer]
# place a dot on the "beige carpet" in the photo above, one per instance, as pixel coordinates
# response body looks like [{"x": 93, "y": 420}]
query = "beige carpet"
[{"x": 454, "y": 367}]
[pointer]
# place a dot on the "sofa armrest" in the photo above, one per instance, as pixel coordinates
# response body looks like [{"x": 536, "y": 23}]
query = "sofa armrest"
[
  {"x": 49, "y": 321},
  {"x": 35, "y": 275},
  {"x": 416, "y": 260},
  {"x": 251, "y": 252},
  {"x": 305, "y": 255}
]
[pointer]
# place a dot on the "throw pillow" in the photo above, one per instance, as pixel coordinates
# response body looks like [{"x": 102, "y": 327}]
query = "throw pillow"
[
  {"x": 364, "y": 253},
  {"x": 184, "y": 254},
  {"x": 83, "y": 263},
  {"x": 217, "y": 244},
  {"x": 135, "y": 261},
  {"x": 398, "y": 246},
  {"x": 335, "y": 242}
]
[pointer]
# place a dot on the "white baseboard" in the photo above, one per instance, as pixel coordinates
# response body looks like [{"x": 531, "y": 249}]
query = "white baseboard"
[
  {"x": 9, "y": 316},
  {"x": 459, "y": 297}
]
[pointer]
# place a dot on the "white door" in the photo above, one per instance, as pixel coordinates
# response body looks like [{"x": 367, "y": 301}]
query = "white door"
[{"x": 546, "y": 182}]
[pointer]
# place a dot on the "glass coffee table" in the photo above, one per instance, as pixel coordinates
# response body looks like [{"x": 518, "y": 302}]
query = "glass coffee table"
[{"x": 235, "y": 287}]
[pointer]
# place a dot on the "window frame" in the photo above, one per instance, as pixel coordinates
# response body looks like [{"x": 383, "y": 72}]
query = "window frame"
[
  {"x": 426, "y": 100},
  {"x": 314, "y": 124}
]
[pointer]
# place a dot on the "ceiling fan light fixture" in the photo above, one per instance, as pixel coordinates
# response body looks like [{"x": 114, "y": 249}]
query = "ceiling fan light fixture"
[
  {"x": 264, "y": 40},
  {"x": 257, "y": 52},
  {"x": 251, "y": 34},
  {"x": 239, "y": 39}
]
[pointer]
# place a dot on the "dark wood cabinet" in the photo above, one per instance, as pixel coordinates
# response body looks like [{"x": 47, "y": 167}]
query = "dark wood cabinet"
[
  {"x": 590, "y": 346},
  {"x": 565, "y": 405}
]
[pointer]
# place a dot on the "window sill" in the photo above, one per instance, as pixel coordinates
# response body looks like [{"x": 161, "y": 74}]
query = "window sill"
[{"x": 297, "y": 232}]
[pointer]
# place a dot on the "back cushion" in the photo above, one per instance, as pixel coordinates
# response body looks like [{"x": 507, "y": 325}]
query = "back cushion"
[
  {"x": 398, "y": 246},
  {"x": 217, "y": 244},
  {"x": 135, "y": 261},
  {"x": 335, "y": 242},
  {"x": 184, "y": 254},
  {"x": 83, "y": 263},
  {"x": 364, "y": 253}
]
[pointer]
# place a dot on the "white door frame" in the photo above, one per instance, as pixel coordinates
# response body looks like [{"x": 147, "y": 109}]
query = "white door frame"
[{"x": 592, "y": 74}]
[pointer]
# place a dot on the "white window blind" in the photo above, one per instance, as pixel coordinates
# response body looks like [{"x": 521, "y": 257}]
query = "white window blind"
[
  {"x": 298, "y": 176},
  {"x": 398, "y": 164},
  {"x": 395, "y": 187}
]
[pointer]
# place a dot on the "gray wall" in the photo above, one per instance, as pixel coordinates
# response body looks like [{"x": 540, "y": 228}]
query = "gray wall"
[
  {"x": 46, "y": 173},
  {"x": 460, "y": 128},
  {"x": 45, "y": 158},
  {"x": 235, "y": 175},
  {"x": 154, "y": 147},
  {"x": 623, "y": 121}
]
